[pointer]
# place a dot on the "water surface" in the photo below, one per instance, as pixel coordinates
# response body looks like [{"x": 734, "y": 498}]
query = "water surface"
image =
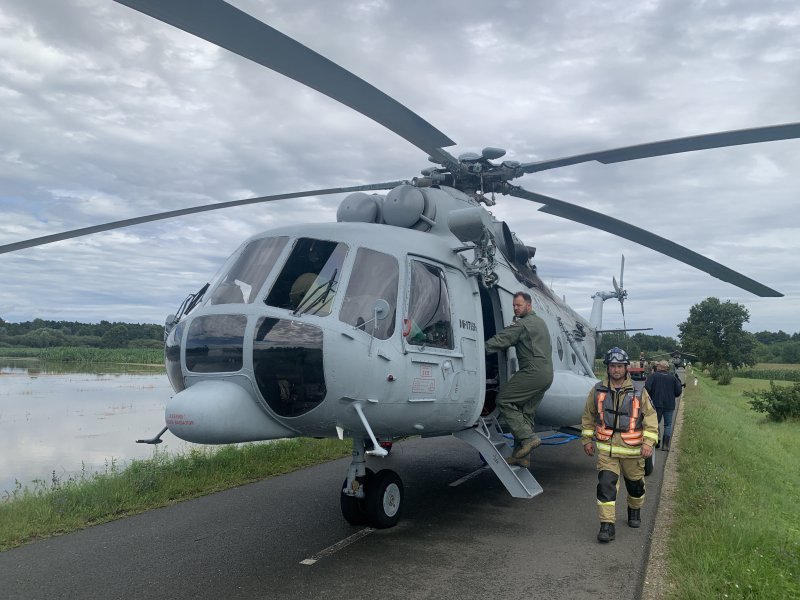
[{"x": 65, "y": 419}]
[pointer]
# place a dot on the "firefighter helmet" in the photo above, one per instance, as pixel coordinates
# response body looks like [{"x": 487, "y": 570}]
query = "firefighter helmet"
[{"x": 616, "y": 356}]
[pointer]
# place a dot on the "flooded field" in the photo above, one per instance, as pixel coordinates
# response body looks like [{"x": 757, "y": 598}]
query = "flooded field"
[{"x": 67, "y": 420}]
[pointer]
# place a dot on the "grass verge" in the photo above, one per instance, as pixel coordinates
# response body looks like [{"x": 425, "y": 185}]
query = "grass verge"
[
  {"x": 736, "y": 532},
  {"x": 56, "y": 507}
]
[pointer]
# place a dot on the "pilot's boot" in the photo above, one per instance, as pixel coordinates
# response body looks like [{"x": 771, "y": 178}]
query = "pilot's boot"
[
  {"x": 665, "y": 445},
  {"x": 522, "y": 461},
  {"x": 634, "y": 517},
  {"x": 606, "y": 533},
  {"x": 526, "y": 447}
]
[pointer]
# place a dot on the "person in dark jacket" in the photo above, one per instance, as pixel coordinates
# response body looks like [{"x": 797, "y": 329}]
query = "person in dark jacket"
[{"x": 664, "y": 387}]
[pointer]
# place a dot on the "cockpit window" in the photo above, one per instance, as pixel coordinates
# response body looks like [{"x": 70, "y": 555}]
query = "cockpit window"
[
  {"x": 429, "y": 307},
  {"x": 215, "y": 344},
  {"x": 240, "y": 284},
  {"x": 309, "y": 279},
  {"x": 374, "y": 277},
  {"x": 288, "y": 366}
]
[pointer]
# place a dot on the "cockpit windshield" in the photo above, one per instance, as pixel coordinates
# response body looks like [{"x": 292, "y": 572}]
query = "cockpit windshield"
[
  {"x": 242, "y": 281},
  {"x": 308, "y": 282}
]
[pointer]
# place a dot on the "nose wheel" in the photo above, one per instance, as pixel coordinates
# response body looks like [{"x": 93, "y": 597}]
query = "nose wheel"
[
  {"x": 353, "y": 507},
  {"x": 384, "y": 499},
  {"x": 382, "y": 502},
  {"x": 373, "y": 499}
]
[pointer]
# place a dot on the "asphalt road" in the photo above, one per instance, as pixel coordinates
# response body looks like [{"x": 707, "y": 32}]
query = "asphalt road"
[{"x": 470, "y": 540}]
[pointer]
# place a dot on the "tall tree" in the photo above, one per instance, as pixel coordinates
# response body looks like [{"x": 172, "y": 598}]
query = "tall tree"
[
  {"x": 714, "y": 333},
  {"x": 116, "y": 336}
]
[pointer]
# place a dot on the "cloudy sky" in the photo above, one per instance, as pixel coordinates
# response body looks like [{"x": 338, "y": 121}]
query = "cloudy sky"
[{"x": 108, "y": 114}]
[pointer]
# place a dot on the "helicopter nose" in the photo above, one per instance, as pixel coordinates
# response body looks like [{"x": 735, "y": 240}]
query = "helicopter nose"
[
  {"x": 220, "y": 412},
  {"x": 288, "y": 367}
]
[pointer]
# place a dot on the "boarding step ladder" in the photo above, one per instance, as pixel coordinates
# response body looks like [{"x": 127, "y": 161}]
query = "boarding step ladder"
[{"x": 488, "y": 439}]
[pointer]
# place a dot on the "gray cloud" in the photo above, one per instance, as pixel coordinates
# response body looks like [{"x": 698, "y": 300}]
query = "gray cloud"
[{"x": 108, "y": 114}]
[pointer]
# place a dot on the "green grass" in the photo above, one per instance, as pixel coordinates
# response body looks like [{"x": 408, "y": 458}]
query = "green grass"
[
  {"x": 737, "y": 525},
  {"x": 776, "y": 372},
  {"x": 782, "y": 366},
  {"x": 56, "y": 507},
  {"x": 143, "y": 356}
]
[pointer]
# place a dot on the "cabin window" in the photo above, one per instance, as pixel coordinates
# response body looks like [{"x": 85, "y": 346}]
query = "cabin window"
[
  {"x": 214, "y": 344},
  {"x": 308, "y": 282},
  {"x": 429, "y": 308},
  {"x": 374, "y": 277},
  {"x": 241, "y": 283}
]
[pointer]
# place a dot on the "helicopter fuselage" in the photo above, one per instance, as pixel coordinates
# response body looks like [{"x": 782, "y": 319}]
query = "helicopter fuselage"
[{"x": 361, "y": 329}]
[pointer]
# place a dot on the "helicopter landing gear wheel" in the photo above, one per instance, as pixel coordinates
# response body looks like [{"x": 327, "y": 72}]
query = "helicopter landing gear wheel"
[
  {"x": 384, "y": 499},
  {"x": 353, "y": 508}
]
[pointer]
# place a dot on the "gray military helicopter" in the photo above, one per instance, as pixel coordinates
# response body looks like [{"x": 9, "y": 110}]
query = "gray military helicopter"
[{"x": 373, "y": 327}]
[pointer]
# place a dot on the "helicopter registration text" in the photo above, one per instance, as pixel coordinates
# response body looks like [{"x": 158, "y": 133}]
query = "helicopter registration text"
[{"x": 468, "y": 325}]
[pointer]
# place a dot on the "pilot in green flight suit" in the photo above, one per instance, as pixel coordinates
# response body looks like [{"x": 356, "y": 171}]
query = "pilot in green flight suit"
[{"x": 522, "y": 394}]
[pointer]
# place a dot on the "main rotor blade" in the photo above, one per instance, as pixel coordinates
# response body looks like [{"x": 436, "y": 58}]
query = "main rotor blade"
[
  {"x": 627, "y": 231},
  {"x": 707, "y": 141},
  {"x": 228, "y": 27},
  {"x": 74, "y": 233}
]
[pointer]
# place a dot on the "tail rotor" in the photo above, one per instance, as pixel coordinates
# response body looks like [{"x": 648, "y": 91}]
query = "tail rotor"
[{"x": 621, "y": 292}]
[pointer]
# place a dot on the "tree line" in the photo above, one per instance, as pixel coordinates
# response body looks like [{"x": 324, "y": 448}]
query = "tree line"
[
  {"x": 41, "y": 333},
  {"x": 714, "y": 334}
]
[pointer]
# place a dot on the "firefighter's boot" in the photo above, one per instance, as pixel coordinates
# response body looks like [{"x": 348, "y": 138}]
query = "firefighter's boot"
[
  {"x": 634, "y": 517},
  {"x": 606, "y": 533},
  {"x": 665, "y": 445}
]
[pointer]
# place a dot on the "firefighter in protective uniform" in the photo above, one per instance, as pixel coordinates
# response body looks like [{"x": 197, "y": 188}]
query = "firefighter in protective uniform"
[{"x": 623, "y": 424}]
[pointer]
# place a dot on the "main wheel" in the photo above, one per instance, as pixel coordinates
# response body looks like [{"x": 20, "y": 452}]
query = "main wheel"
[
  {"x": 353, "y": 509},
  {"x": 384, "y": 499}
]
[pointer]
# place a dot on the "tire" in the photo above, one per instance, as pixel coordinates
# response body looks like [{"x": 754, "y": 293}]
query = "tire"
[
  {"x": 384, "y": 500},
  {"x": 649, "y": 464},
  {"x": 353, "y": 509}
]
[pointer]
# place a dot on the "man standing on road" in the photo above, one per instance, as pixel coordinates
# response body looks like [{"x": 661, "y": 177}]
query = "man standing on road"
[
  {"x": 677, "y": 362},
  {"x": 524, "y": 391},
  {"x": 623, "y": 424},
  {"x": 663, "y": 388}
]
